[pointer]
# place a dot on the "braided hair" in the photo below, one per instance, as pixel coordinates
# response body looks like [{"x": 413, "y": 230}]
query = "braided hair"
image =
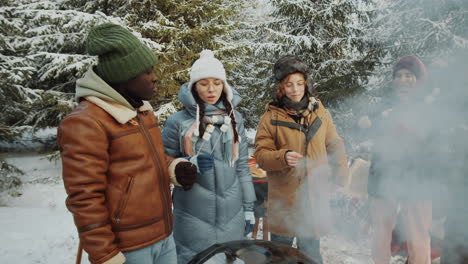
[{"x": 227, "y": 105}]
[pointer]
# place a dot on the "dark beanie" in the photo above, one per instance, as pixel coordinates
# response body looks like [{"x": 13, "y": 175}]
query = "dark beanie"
[
  {"x": 122, "y": 56},
  {"x": 413, "y": 64},
  {"x": 287, "y": 65}
]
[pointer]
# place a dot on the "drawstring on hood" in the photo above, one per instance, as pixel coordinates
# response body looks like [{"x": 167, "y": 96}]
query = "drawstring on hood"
[{"x": 216, "y": 115}]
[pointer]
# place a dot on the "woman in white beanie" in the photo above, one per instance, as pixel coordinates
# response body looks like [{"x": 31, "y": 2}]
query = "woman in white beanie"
[{"x": 210, "y": 133}]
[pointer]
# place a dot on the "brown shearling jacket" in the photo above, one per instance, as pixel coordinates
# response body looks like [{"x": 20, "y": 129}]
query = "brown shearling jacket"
[{"x": 116, "y": 176}]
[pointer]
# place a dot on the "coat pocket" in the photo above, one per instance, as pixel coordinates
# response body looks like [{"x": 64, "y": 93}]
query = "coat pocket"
[{"x": 123, "y": 201}]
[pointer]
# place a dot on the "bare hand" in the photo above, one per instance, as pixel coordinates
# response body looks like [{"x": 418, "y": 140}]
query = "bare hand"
[{"x": 293, "y": 158}]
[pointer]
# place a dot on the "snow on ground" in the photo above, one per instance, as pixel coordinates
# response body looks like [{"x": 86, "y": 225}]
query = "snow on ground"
[
  {"x": 338, "y": 250},
  {"x": 37, "y": 228},
  {"x": 36, "y": 235}
]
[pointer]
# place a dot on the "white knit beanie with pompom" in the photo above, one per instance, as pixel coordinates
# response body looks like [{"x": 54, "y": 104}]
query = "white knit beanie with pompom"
[{"x": 207, "y": 66}]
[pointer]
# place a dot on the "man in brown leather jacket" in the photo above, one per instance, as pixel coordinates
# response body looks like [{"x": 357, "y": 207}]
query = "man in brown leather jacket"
[{"x": 115, "y": 171}]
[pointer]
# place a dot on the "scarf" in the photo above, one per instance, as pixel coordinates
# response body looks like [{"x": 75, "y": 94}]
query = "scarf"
[
  {"x": 218, "y": 118},
  {"x": 300, "y": 109}
]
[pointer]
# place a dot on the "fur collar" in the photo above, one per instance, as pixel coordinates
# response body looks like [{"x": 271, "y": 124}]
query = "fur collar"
[{"x": 118, "y": 111}]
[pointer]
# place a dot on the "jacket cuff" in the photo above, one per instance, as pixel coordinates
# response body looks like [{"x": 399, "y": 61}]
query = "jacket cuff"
[
  {"x": 248, "y": 207},
  {"x": 171, "y": 170},
  {"x": 117, "y": 259},
  {"x": 283, "y": 153},
  {"x": 284, "y": 157}
]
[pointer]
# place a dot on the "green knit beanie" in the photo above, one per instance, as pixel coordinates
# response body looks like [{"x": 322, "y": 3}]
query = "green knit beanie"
[{"x": 121, "y": 55}]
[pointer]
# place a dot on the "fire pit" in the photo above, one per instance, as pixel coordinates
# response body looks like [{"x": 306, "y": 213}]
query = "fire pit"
[{"x": 251, "y": 252}]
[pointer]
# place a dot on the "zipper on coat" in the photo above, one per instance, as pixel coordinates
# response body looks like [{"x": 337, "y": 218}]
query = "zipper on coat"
[
  {"x": 158, "y": 164},
  {"x": 123, "y": 201}
]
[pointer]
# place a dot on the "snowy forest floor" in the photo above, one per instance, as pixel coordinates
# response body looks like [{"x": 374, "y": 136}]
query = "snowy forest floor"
[{"x": 37, "y": 228}]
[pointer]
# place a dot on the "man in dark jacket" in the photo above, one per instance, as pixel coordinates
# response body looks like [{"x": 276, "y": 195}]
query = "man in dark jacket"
[
  {"x": 115, "y": 171},
  {"x": 398, "y": 179}
]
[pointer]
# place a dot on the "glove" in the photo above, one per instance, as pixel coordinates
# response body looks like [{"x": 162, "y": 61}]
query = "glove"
[
  {"x": 204, "y": 162},
  {"x": 186, "y": 174},
  {"x": 249, "y": 222}
]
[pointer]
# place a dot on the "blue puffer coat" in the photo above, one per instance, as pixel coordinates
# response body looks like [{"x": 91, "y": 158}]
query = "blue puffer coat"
[{"x": 213, "y": 210}]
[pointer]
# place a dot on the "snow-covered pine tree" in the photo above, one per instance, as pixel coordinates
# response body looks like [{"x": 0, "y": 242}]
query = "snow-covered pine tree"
[
  {"x": 184, "y": 28},
  {"x": 428, "y": 28},
  {"x": 247, "y": 72},
  {"x": 42, "y": 54},
  {"x": 114, "y": 8},
  {"x": 42, "y": 49},
  {"x": 330, "y": 37},
  {"x": 432, "y": 30}
]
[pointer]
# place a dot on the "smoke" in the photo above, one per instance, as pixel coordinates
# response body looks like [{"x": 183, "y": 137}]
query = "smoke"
[
  {"x": 450, "y": 126},
  {"x": 305, "y": 211},
  {"x": 419, "y": 152},
  {"x": 419, "y": 148}
]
